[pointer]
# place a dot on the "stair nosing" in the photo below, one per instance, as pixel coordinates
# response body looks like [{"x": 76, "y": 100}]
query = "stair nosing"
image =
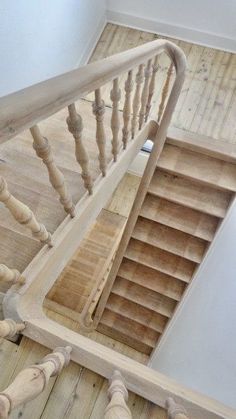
[
  {"x": 160, "y": 331},
  {"x": 179, "y": 202},
  {"x": 150, "y": 288},
  {"x": 155, "y": 311},
  {"x": 159, "y": 269},
  {"x": 144, "y": 343},
  {"x": 178, "y": 229},
  {"x": 178, "y": 172},
  {"x": 168, "y": 250}
]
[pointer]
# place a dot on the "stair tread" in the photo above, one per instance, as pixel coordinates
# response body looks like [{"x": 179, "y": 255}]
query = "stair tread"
[
  {"x": 201, "y": 167},
  {"x": 134, "y": 311},
  {"x": 152, "y": 279},
  {"x": 160, "y": 260},
  {"x": 190, "y": 193},
  {"x": 16, "y": 251},
  {"x": 182, "y": 218},
  {"x": 170, "y": 239},
  {"x": 145, "y": 297},
  {"x": 128, "y": 331}
]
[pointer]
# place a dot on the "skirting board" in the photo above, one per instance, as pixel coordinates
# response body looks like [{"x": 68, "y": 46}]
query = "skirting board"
[
  {"x": 207, "y": 39},
  {"x": 92, "y": 42}
]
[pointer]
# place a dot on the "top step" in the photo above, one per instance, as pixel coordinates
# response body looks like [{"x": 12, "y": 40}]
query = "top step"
[
  {"x": 190, "y": 193},
  {"x": 203, "y": 168}
]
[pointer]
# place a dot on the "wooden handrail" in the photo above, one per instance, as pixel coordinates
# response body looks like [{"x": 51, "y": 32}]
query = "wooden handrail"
[{"x": 27, "y": 107}]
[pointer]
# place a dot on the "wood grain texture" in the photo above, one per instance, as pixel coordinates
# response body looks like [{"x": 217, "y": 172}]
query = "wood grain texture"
[
  {"x": 192, "y": 165},
  {"x": 170, "y": 239},
  {"x": 207, "y": 103},
  {"x": 179, "y": 217},
  {"x": 160, "y": 260},
  {"x": 89, "y": 264},
  {"x": 75, "y": 390},
  {"x": 191, "y": 194}
]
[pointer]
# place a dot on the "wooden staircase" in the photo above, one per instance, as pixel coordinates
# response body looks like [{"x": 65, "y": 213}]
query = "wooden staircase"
[{"x": 186, "y": 200}]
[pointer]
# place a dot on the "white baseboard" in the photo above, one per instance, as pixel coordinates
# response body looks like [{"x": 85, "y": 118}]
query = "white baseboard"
[
  {"x": 207, "y": 39},
  {"x": 89, "y": 48}
]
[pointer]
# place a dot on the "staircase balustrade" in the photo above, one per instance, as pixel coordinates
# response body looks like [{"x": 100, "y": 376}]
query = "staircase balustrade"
[{"x": 25, "y": 109}]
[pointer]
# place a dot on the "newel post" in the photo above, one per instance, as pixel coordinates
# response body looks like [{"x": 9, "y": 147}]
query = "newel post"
[
  {"x": 118, "y": 395},
  {"x": 30, "y": 382}
]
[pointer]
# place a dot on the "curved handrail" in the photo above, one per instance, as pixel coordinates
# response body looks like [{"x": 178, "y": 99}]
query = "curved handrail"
[{"x": 25, "y": 108}]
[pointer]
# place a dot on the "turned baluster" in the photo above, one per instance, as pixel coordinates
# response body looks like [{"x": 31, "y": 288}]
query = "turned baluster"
[
  {"x": 127, "y": 108},
  {"x": 10, "y": 275},
  {"x": 43, "y": 150},
  {"x": 115, "y": 96},
  {"x": 144, "y": 97},
  {"x": 30, "y": 382},
  {"x": 99, "y": 110},
  {"x": 137, "y": 97},
  {"x": 75, "y": 126},
  {"x": 151, "y": 88},
  {"x": 165, "y": 91},
  {"x": 9, "y": 328},
  {"x": 23, "y": 214},
  {"x": 175, "y": 411},
  {"x": 118, "y": 395}
]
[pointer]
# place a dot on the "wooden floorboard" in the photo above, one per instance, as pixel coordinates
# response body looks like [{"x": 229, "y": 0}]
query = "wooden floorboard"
[{"x": 207, "y": 103}]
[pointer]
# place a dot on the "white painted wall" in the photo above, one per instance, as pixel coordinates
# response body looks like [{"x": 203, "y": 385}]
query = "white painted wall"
[
  {"x": 204, "y": 21},
  {"x": 42, "y": 38},
  {"x": 199, "y": 348}
]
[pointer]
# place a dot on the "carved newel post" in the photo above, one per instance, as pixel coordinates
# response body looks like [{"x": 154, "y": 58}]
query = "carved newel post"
[
  {"x": 118, "y": 395},
  {"x": 175, "y": 411},
  {"x": 30, "y": 382}
]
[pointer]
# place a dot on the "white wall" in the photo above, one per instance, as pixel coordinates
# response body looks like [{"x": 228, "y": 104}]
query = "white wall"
[
  {"x": 199, "y": 349},
  {"x": 43, "y": 38},
  {"x": 204, "y": 21}
]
